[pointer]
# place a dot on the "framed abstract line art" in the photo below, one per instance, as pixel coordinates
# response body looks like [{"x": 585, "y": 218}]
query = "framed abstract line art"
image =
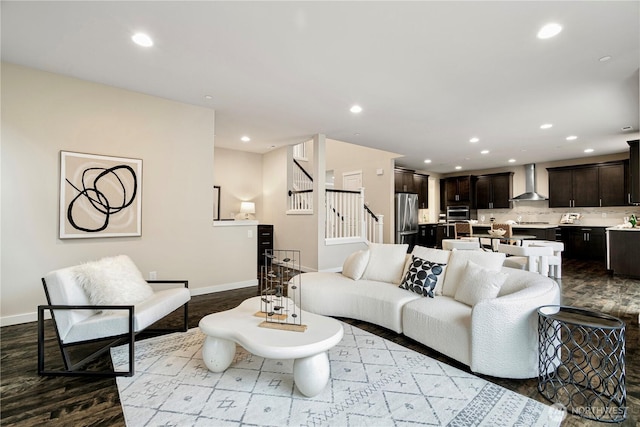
[{"x": 100, "y": 196}]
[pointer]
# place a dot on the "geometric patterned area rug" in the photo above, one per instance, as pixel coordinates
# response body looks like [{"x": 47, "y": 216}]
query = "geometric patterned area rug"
[{"x": 374, "y": 382}]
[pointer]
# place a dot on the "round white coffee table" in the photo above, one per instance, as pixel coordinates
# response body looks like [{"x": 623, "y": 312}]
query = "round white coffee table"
[{"x": 308, "y": 349}]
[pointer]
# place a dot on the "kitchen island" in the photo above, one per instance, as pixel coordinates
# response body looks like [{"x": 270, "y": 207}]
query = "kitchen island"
[{"x": 623, "y": 247}]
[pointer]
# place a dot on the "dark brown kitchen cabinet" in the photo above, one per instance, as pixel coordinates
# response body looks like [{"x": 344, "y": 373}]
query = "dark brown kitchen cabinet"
[
  {"x": 622, "y": 245},
  {"x": 427, "y": 235},
  {"x": 403, "y": 181},
  {"x": 407, "y": 181},
  {"x": 587, "y": 243},
  {"x": 560, "y": 188},
  {"x": 421, "y": 186},
  {"x": 458, "y": 190},
  {"x": 592, "y": 185},
  {"x": 612, "y": 185},
  {"x": 494, "y": 191}
]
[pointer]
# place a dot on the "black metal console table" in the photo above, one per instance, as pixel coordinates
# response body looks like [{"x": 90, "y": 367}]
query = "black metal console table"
[{"x": 581, "y": 362}]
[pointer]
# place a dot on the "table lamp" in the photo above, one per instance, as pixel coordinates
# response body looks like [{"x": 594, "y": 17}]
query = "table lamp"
[{"x": 248, "y": 209}]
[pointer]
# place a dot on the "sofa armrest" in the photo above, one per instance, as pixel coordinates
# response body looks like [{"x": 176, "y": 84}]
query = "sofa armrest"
[{"x": 504, "y": 332}]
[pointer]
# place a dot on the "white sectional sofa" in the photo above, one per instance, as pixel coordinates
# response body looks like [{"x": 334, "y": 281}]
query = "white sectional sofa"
[{"x": 481, "y": 314}]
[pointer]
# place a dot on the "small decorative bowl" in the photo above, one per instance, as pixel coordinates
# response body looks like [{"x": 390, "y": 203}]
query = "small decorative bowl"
[{"x": 497, "y": 232}]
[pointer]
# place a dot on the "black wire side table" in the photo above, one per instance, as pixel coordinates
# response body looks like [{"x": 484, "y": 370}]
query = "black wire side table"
[{"x": 581, "y": 362}]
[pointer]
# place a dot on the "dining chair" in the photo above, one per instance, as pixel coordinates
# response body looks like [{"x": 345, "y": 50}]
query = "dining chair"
[
  {"x": 462, "y": 229},
  {"x": 554, "y": 261},
  {"x": 531, "y": 258},
  {"x": 508, "y": 233}
]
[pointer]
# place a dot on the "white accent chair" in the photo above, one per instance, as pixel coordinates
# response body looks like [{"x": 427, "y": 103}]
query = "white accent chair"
[
  {"x": 460, "y": 244},
  {"x": 555, "y": 261},
  {"x": 531, "y": 258},
  {"x": 79, "y": 322}
]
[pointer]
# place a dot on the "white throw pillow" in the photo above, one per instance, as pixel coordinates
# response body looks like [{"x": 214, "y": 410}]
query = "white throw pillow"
[
  {"x": 355, "y": 264},
  {"x": 478, "y": 284},
  {"x": 113, "y": 281},
  {"x": 458, "y": 262},
  {"x": 386, "y": 262}
]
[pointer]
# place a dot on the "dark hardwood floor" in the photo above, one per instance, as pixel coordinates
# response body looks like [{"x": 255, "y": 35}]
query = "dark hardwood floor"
[{"x": 29, "y": 400}]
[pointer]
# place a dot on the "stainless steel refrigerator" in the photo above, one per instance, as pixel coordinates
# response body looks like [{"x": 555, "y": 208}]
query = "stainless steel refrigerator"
[{"x": 406, "y": 218}]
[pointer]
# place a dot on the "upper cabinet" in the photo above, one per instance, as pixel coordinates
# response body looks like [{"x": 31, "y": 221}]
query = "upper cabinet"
[
  {"x": 494, "y": 191},
  {"x": 458, "y": 190},
  {"x": 593, "y": 185},
  {"x": 407, "y": 181}
]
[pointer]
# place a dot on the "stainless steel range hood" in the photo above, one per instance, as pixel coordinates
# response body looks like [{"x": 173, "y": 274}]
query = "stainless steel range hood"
[{"x": 529, "y": 185}]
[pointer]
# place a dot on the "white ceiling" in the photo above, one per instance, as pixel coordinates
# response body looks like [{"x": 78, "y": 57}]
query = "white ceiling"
[{"x": 428, "y": 75}]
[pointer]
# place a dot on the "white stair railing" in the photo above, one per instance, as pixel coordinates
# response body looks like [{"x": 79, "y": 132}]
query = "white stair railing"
[
  {"x": 301, "y": 178},
  {"x": 344, "y": 222},
  {"x": 300, "y": 202},
  {"x": 374, "y": 226}
]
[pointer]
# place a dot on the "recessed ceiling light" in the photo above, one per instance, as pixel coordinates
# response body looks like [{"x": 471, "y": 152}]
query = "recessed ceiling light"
[
  {"x": 427, "y": 161},
  {"x": 208, "y": 97},
  {"x": 512, "y": 160},
  {"x": 572, "y": 138},
  {"x": 141, "y": 39},
  {"x": 458, "y": 168},
  {"x": 484, "y": 152},
  {"x": 604, "y": 58},
  {"x": 245, "y": 139},
  {"x": 546, "y": 126},
  {"x": 356, "y": 109},
  {"x": 588, "y": 150},
  {"x": 549, "y": 30},
  {"x": 474, "y": 139}
]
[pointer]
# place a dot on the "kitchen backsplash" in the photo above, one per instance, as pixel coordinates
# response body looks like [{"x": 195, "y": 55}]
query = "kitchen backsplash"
[{"x": 538, "y": 212}]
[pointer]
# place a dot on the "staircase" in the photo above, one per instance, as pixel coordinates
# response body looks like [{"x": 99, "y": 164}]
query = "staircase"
[{"x": 347, "y": 218}]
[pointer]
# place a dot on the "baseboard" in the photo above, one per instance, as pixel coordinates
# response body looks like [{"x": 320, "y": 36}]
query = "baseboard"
[
  {"x": 17, "y": 319},
  {"x": 224, "y": 287}
]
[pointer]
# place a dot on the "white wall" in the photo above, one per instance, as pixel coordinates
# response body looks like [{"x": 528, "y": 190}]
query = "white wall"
[{"x": 43, "y": 113}]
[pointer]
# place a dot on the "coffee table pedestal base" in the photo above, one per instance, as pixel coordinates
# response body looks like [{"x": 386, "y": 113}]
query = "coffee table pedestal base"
[
  {"x": 218, "y": 353},
  {"x": 311, "y": 374}
]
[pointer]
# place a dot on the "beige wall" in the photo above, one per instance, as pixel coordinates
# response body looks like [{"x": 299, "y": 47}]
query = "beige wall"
[
  {"x": 289, "y": 231},
  {"x": 343, "y": 157},
  {"x": 239, "y": 175},
  {"x": 43, "y": 113}
]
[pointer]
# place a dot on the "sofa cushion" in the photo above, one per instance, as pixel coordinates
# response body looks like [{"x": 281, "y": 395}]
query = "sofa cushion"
[
  {"x": 386, "y": 262},
  {"x": 113, "y": 281},
  {"x": 434, "y": 255},
  {"x": 355, "y": 264},
  {"x": 441, "y": 323},
  {"x": 478, "y": 284},
  {"x": 332, "y": 294},
  {"x": 458, "y": 262},
  {"x": 422, "y": 276}
]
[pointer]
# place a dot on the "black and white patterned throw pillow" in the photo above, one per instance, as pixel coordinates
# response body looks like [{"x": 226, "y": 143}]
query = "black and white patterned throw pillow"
[{"x": 422, "y": 276}]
